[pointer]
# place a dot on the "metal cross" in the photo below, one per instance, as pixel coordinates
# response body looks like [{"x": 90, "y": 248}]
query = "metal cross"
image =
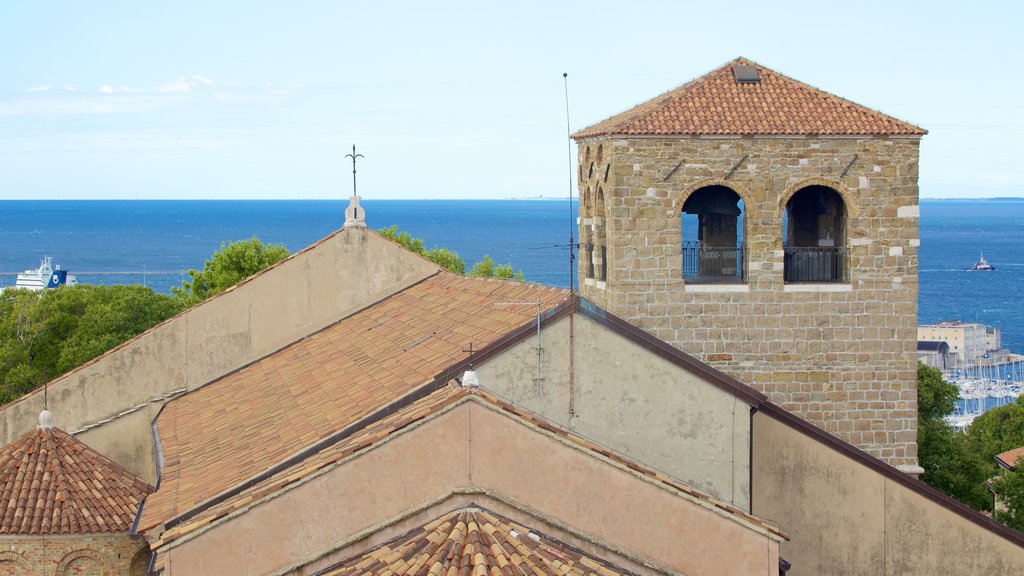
[{"x": 353, "y": 156}]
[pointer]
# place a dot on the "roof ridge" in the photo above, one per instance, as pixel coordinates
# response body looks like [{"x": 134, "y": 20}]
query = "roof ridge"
[
  {"x": 840, "y": 99},
  {"x": 635, "y": 110},
  {"x": 60, "y": 485},
  {"x": 709, "y": 105}
]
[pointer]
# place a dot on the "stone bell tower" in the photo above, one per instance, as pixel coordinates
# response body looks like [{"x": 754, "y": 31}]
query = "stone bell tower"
[{"x": 770, "y": 229}]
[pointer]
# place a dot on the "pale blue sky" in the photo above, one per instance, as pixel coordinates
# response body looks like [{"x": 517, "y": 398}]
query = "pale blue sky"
[{"x": 220, "y": 99}]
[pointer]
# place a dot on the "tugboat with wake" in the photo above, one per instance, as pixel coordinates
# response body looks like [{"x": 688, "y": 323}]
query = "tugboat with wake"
[
  {"x": 981, "y": 265},
  {"x": 46, "y": 276}
]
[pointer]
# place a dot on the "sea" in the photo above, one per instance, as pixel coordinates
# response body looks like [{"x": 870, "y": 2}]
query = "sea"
[{"x": 155, "y": 242}]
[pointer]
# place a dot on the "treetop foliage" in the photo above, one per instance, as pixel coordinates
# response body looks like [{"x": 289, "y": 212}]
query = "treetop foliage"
[
  {"x": 47, "y": 333},
  {"x": 960, "y": 463},
  {"x": 228, "y": 266},
  {"x": 449, "y": 260}
]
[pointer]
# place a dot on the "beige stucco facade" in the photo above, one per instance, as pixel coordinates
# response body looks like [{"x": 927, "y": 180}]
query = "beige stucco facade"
[
  {"x": 110, "y": 402},
  {"x": 968, "y": 341},
  {"x": 845, "y": 517},
  {"x": 473, "y": 451},
  {"x": 840, "y": 354},
  {"x": 631, "y": 401}
]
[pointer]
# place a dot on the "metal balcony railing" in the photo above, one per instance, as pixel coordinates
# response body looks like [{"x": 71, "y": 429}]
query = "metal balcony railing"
[
  {"x": 712, "y": 264},
  {"x": 814, "y": 264}
]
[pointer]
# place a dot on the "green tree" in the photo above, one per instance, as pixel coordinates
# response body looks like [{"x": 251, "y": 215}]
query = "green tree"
[
  {"x": 949, "y": 464},
  {"x": 449, "y": 260},
  {"x": 1010, "y": 488},
  {"x": 234, "y": 262},
  {"x": 441, "y": 256},
  {"x": 997, "y": 430},
  {"x": 45, "y": 334},
  {"x": 486, "y": 268}
]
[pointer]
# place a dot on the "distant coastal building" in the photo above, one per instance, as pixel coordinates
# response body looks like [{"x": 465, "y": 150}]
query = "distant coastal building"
[
  {"x": 933, "y": 353},
  {"x": 969, "y": 342}
]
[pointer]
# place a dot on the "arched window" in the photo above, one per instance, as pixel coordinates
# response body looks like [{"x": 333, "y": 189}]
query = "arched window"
[
  {"x": 712, "y": 230},
  {"x": 814, "y": 236},
  {"x": 600, "y": 255},
  {"x": 587, "y": 234},
  {"x": 140, "y": 563}
]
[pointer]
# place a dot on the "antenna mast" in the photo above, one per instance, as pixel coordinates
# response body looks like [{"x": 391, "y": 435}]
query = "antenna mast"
[{"x": 572, "y": 223}]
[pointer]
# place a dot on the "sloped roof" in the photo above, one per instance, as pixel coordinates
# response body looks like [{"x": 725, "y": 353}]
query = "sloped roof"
[
  {"x": 402, "y": 419},
  {"x": 474, "y": 540},
  {"x": 51, "y": 483},
  {"x": 250, "y": 420},
  {"x": 716, "y": 104},
  {"x": 1009, "y": 458}
]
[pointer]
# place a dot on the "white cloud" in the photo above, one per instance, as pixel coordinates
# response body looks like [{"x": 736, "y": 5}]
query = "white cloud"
[
  {"x": 193, "y": 90},
  {"x": 184, "y": 84}
]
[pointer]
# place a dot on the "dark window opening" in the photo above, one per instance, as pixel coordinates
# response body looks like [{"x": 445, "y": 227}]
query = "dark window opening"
[
  {"x": 604, "y": 263},
  {"x": 712, "y": 229},
  {"x": 814, "y": 236}
]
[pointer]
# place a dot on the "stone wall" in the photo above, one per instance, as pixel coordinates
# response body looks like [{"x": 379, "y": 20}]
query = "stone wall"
[
  {"x": 92, "y": 554},
  {"x": 841, "y": 355}
]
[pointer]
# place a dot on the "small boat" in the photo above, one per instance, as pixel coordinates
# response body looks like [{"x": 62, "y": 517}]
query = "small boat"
[
  {"x": 981, "y": 265},
  {"x": 46, "y": 276}
]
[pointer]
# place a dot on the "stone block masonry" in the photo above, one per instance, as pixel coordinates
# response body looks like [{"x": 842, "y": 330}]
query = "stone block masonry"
[{"x": 839, "y": 354}]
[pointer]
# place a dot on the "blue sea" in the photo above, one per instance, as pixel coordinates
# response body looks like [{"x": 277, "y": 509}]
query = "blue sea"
[{"x": 154, "y": 242}]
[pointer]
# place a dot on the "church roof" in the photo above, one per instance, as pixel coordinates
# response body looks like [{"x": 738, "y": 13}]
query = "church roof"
[
  {"x": 51, "y": 483},
  {"x": 357, "y": 439},
  {"x": 718, "y": 103},
  {"x": 473, "y": 540},
  {"x": 261, "y": 415}
]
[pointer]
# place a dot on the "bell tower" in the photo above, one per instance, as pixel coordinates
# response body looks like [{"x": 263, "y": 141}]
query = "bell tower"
[{"x": 771, "y": 230}]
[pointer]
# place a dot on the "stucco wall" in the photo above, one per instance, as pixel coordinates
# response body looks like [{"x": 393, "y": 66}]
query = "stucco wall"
[
  {"x": 840, "y": 355},
  {"x": 846, "y": 518},
  {"x": 633, "y": 402},
  {"x": 473, "y": 446},
  {"x": 313, "y": 288}
]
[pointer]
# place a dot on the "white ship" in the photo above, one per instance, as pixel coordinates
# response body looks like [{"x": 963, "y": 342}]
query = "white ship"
[{"x": 46, "y": 276}]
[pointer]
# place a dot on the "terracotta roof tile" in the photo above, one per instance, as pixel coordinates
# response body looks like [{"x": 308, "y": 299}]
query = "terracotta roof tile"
[
  {"x": 241, "y": 425},
  {"x": 51, "y": 483},
  {"x": 430, "y": 405},
  {"x": 1010, "y": 457},
  {"x": 716, "y": 104},
  {"x": 474, "y": 541}
]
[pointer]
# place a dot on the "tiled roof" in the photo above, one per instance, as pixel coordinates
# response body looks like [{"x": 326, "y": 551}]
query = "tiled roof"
[
  {"x": 1010, "y": 457},
  {"x": 433, "y": 404},
  {"x": 473, "y": 541},
  {"x": 716, "y": 104},
  {"x": 245, "y": 423},
  {"x": 51, "y": 483}
]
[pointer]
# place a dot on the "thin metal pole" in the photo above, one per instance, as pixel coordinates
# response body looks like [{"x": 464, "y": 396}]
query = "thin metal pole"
[{"x": 572, "y": 223}]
